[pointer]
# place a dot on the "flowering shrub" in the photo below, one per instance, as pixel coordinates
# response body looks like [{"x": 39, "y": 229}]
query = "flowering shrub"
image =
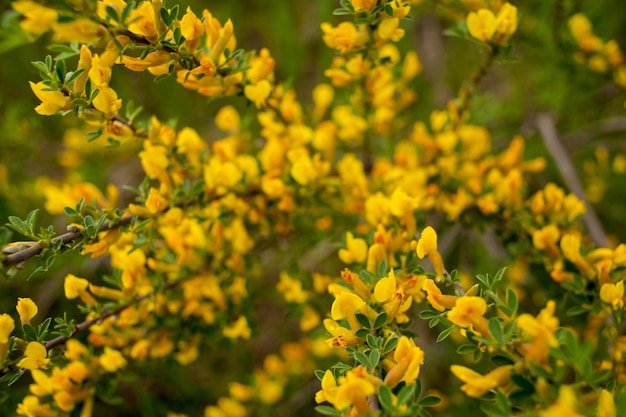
[{"x": 364, "y": 252}]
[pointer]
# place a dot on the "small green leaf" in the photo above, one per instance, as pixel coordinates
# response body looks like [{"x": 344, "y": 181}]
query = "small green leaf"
[
  {"x": 495, "y": 328},
  {"x": 466, "y": 349},
  {"x": 381, "y": 320},
  {"x": 363, "y": 320},
  {"x": 374, "y": 358},
  {"x": 444, "y": 334},
  {"x": 327, "y": 410},
  {"x": 406, "y": 393},
  {"x": 390, "y": 345},
  {"x": 429, "y": 401},
  {"x": 384, "y": 397}
]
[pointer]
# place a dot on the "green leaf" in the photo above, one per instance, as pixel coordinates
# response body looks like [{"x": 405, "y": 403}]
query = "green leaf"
[
  {"x": 429, "y": 401},
  {"x": 18, "y": 225},
  {"x": 363, "y": 320},
  {"x": 36, "y": 272},
  {"x": 319, "y": 374},
  {"x": 165, "y": 16},
  {"x": 374, "y": 358},
  {"x": 444, "y": 334},
  {"x": 384, "y": 397},
  {"x": 406, "y": 393},
  {"x": 512, "y": 301},
  {"x": 390, "y": 345},
  {"x": 382, "y": 269},
  {"x": 466, "y": 349},
  {"x": 495, "y": 328},
  {"x": 381, "y": 320},
  {"x": 361, "y": 358},
  {"x": 327, "y": 410},
  {"x": 30, "y": 334},
  {"x": 90, "y": 226},
  {"x": 31, "y": 221}
]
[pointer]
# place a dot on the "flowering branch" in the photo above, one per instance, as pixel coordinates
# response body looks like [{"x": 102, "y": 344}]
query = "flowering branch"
[{"x": 24, "y": 255}]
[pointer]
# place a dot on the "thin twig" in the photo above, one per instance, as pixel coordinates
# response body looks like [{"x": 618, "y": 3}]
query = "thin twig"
[
  {"x": 546, "y": 127},
  {"x": 24, "y": 255},
  {"x": 85, "y": 325}
]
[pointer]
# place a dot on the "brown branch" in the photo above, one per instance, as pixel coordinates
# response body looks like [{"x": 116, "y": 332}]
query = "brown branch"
[
  {"x": 24, "y": 255},
  {"x": 546, "y": 127},
  {"x": 85, "y": 325},
  {"x": 468, "y": 89}
]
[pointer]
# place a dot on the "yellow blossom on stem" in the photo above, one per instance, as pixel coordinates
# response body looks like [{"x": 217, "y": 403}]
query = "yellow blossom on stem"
[
  {"x": 506, "y": 22},
  {"x": 52, "y": 101},
  {"x": 31, "y": 407},
  {"x": 427, "y": 245},
  {"x": 408, "y": 359},
  {"x": 26, "y": 309},
  {"x": 328, "y": 392},
  {"x": 546, "y": 239},
  {"x": 76, "y": 287},
  {"x": 540, "y": 332},
  {"x": 367, "y": 5},
  {"x": 354, "y": 388},
  {"x": 345, "y": 37},
  {"x": 606, "y": 405},
  {"x": 7, "y": 325},
  {"x": 355, "y": 251},
  {"x": 238, "y": 329},
  {"x": 570, "y": 245},
  {"x": 35, "y": 357},
  {"x": 81, "y": 30},
  {"x": 155, "y": 203},
  {"x": 613, "y": 294},
  {"x": 258, "y": 93},
  {"x": 39, "y": 19},
  {"x": 112, "y": 360},
  {"x": 477, "y": 385},
  {"x": 468, "y": 312},
  {"x": 565, "y": 405},
  {"x": 482, "y": 24},
  {"x": 345, "y": 306},
  {"x": 436, "y": 298}
]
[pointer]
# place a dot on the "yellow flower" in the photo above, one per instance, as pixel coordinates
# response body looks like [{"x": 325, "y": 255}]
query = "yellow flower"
[
  {"x": 328, "y": 392},
  {"x": 606, "y": 405},
  {"x": 477, "y": 385},
  {"x": 356, "y": 250},
  {"x": 31, "y": 407},
  {"x": 546, "y": 238},
  {"x": 385, "y": 288},
  {"x": 7, "y": 325},
  {"x": 51, "y": 101},
  {"x": 366, "y": 5},
  {"x": 35, "y": 357},
  {"x": 227, "y": 119},
  {"x": 482, "y": 25},
  {"x": 408, "y": 358},
  {"x": 224, "y": 39},
  {"x": 506, "y": 22},
  {"x": 238, "y": 329},
  {"x": 26, "y": 309},
  {"x": 112, "y": 360},
  {"x": 258, "y": 93},
  {"x": 345, "y": 37},
  {"x": 427, "y": 245},
  {"x": 143, "y": 22},
  {"x": 107, "y": 102},
  {"x": 565, "y": 405},
  {"x": 39, "y": 19},
  {"x": 613, "y": 294},
  {"x": 76, "y": 287},
  {"x": 81, "y": 30},
  {"x": 190, "y": 26},
  {"x": 436, "y": 298},
  {"x": 345, "y": 306},
  {"x": 468, "y": 311},
  {"x": 540, "y": 332},
  {"x": 354, "y": 388},
  {"x": 155, "y": 202}
]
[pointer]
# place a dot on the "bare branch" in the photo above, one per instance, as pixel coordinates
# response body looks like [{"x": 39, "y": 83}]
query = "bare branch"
[{"x": 546, "y": 127}]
